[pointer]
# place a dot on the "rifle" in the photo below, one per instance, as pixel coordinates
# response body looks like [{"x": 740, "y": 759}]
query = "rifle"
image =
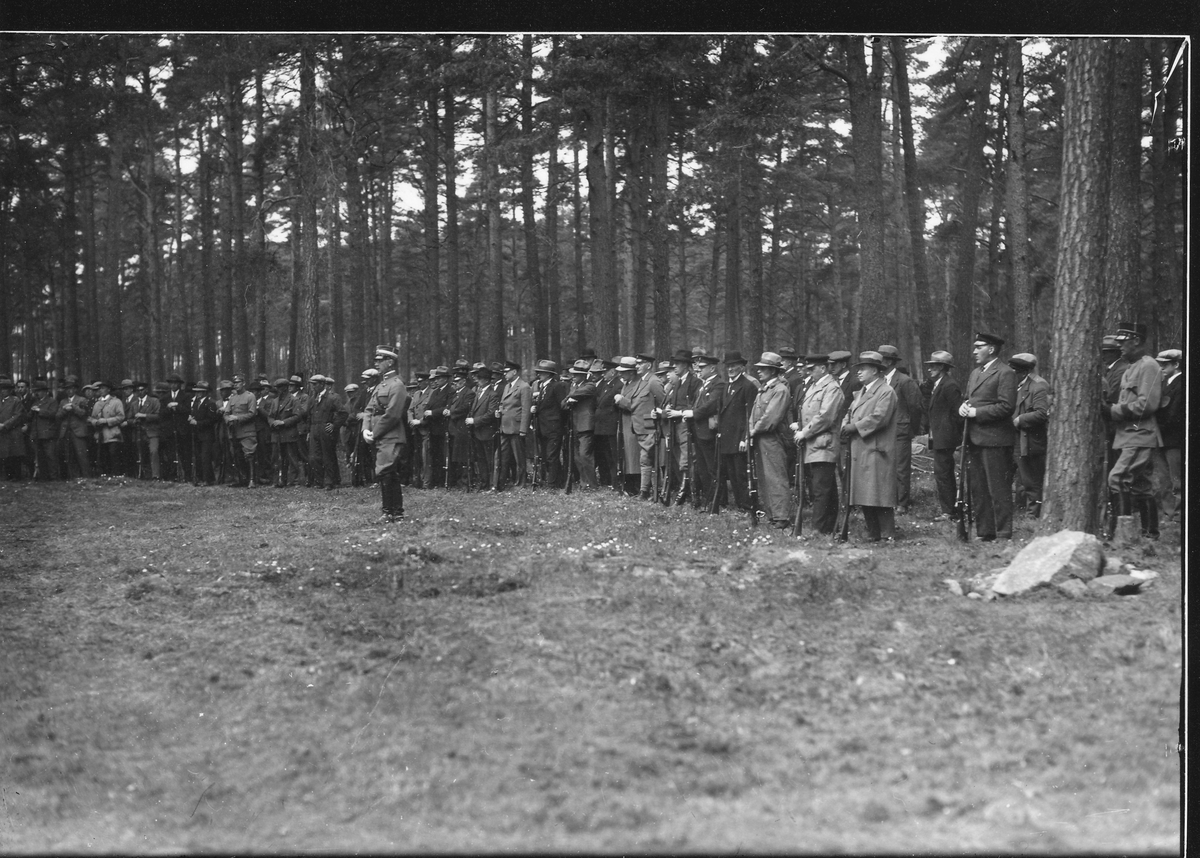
[
  {"x": 752, "y": 476},
  {"x": 571, "y": 454},
  {"x": 620, "y": 486},
  {"x": 798, "y": 522},
  {"x": 195, "y": 461},
  {"x": 663, "y": 468},
  {"x": 539, "y": 466},
  {"x": 655, "y": 475},
  {"x": 714, "y": 505},
  {"x": 844, "y": 526},
  {"x": 137, "y": 446},
  {"x": 962, "y": 504},
  {"x": 177, "y": 465},
  {"x": 690, "y": 428},
  {"x": 496, "y": 460},
  {"x": 446, "y": 444},
  {"x": 355, "y": 479}
]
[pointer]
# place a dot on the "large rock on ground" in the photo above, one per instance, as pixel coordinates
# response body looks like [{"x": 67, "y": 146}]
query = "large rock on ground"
[{"x": 1052, "y": 559}]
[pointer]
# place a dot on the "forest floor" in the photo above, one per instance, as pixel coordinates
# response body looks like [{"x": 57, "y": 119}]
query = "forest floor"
[{"x": 192, "y": 669}]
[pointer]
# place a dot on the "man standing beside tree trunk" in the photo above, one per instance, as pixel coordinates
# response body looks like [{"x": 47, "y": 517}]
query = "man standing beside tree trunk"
[
  {"x": 1137, "y": 434},
  {"x": 988, "y": 408}
]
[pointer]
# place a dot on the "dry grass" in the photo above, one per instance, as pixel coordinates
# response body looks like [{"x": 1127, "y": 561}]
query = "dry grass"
[{"x": 193, "y": 669}]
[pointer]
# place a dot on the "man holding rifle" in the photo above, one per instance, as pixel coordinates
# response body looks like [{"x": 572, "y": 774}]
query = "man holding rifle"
[
  {"x": 988, "y": 408},
  {"x": 580, "y": 407}
]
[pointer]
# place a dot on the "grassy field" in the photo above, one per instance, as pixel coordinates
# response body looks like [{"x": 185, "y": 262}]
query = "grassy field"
[{"x": 269, "y": 670}]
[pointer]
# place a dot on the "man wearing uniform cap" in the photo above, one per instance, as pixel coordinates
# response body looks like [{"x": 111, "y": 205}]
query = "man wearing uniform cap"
[
  {"x": 204, "y": 418},
  {"x": 513, "y": 403},
  {"x": 1030, "y": 420},
  {"x": 365, "y": 452},
  {"x": 1113, "y": 366},
  {"x": 1136, "y": 436},
  {"x": 908, "y": 422},
  {"x": 988, "y": 408},
  {"x": 434, "y": 426},
  {"x": 457, "y": 412},
  {"x": 945, "y": 428},
  {"x": 241, "y": 410},
  {"x": 768, "y": 421},
  {"x": 418, "y": 431},
  {"x": 1172, "y": 417},
  {"x": 386, "y": 428},
  {"x": 639, "y": 399}
]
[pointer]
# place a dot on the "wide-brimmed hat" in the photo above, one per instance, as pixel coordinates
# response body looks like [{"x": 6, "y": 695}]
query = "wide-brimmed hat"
[
  {"x": 295, "y": 379},
  {"x": 1129, "y": 330},
  {"x": 889, "y": 352},
  {"x": 770, "y": 360},
  {"x": 421, "y": 374},
  {"x": 589, "y": 355},
  {"x": 664, "y": 366},
  {"x": 598, "y": 365},
  {"x": 545, "y": 366},
  {"x": 71, "y": 380},
  {"x": 626, "y": 364},
  {"x": 989, "y": 339},
  {"x": 126, "y": 382},
  {"x": 1022, "y": 360},
  {"x": 733, "y": 357},
  {"x": 870, "y": 358},
  {"x": 440, "y": 372},
  {"x": 580, "y": 367},
  {"x": 705, "y": 358},
  {"x": 944, "y": 358},
  {"x": 787, "y": 352},
  {"x": 40, "y": 384},
  {"x": 224, "y": 384},
  {"x": 480, "y": 368},
  {"x": 1170, "y": 356},
  {"x": 497, "y": 368}
]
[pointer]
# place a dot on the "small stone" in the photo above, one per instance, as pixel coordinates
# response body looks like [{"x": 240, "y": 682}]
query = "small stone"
[
  {"x": 1121, "y": 585},
  {"x": 1072, "y": 587},
  {"x": 974, "y": 595},
  {"x": 1144, "y": 574},
  {"x": 953, "y": 586},
  {"x": 1113, "y": 565}
]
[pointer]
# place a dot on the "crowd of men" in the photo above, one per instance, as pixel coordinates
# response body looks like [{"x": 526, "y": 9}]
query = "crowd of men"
[{"x": 831, "y": 431}]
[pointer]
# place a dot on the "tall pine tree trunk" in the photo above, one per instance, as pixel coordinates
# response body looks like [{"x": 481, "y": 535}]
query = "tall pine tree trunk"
[
  {"x": 495, "y": 335},
  {"x": 660, "y": 246},
  {"x": 453, "y": 287},
  {"x": 605, "y": 304},
  {"x": 1017, "y": 202},
  {"x": 1123, "y": 297},
  {"x": 305, "y": 354}
]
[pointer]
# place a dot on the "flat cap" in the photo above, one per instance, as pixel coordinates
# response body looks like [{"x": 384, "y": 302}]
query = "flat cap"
[
  {"x": 1170, "y": 356},
  {"x": 838, "y": 355},
  {"x": 1022, "y": 360}
]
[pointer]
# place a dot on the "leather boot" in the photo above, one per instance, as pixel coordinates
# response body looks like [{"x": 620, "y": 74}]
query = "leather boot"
[
  {"x": 1148, "y": 513},
  {"x": 1114, "y": 509},
  {"x": 397, "y": 497},
  {"x": 1125, "y": 503}
]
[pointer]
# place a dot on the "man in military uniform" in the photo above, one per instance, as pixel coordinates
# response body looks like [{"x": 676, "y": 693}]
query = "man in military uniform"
[
  {"x": 241, "y": 410},
  {"x": 1137, "y": 436},
  {"x": 1030, "y": 420},
  {"x": 304, "y": 427},
  {"x": 988, "y": 408},
  {"x": 386, "y": 417}
]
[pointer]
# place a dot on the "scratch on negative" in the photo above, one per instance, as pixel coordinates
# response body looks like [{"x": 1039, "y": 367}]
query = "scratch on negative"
[
  {"x": 206, "y": 789},
  {"x": 1103, "y": 812},
  {"x": 378, "y": 697}
]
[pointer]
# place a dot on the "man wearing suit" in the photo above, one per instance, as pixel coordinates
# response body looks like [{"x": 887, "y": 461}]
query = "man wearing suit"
[
  {"x": 418, "y": 430},
  {"x": 1032, "y": 415},
  {"x": 147, "y": 418},
  {"x": 705, "y": 414},
  {"x": 175, "y": 410},
  {"x": 481, "y": 424},
  {"x": 639, "y": 399},
  {"x": 604, "y": 433},
  {"x": 548, "y": 393},
  {"x": 908, "y": 422},
  {"x": 945, "y": 428},
  {"x": 988, "y": 408},
  {"x": 73, "y": 413},
  {"x": 1113, "y": 366},
  {"x": 457, "y": 414},
  {"x": 580, "y": 408},
  {"x": 732, "y": 423},
  {"x": 678, "y": 400},
  {"x": 512, "y": 411},
  {"x": 204, "y": 418},
  {"x": 283, "y": 416},
  {"x": 436, "y": 426},
  {"x": 43, "y": 431},
  {"x": 327, "y": 415}
]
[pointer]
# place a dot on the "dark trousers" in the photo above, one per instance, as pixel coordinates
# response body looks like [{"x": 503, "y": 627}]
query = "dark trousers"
[
  {"x": 706, "y": 469},
  {"x": 512, "y": 460},
  {"x": 46, "y": 451},
  {"x": 484, "y": 454},
  {"x": 77, "y": 456},
  {"x": 606, "y": 458},
  {"x": 1031, "y": 470},
  {"x": 902, "y": 450},
  {"x": 203, "y": 470},
  {"x": 585, "y": 458},
  {"x": 943, "y": 477},
  {"x": 824, "y": 495},
  {"x": 733, "y": 472},
  {"x": 880, "y": 522},
  {"x": 322, "y": 457},
  {"x": 551, "y": 448},
  {"x": 991, "y": 491}
]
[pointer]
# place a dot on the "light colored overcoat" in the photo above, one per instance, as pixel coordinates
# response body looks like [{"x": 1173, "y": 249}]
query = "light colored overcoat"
[{"x": 872, "y": 467}]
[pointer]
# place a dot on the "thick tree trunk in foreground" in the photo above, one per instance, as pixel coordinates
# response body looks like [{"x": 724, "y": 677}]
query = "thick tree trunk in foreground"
[{"x": 1075, "y": 456}]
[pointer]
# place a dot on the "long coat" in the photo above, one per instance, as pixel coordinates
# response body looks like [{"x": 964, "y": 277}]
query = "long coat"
[
  {"x": 735, "y": 413},
  {"x": 768, "y": 419},
  {"x": 1172, "y": 416},
  {"x": 1033, "y": 414},
  {"x": 639, "y": 398},
  {"x": 460, "y": 408},
  {"x": 993, "y": 392},
  {"x": 12, "y": 418},
  {"x": 872, "y": 465},
  {"x": 605, "y": 422},
  {"x": 818, "y": 431},
  {"x": 287, "y": 409},
  {"x": 1133, "y": 415},
  {"x": 483, "y": 411},
  {"x": 706, "y": 408},
  {"x": 909, "y": 404}
]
